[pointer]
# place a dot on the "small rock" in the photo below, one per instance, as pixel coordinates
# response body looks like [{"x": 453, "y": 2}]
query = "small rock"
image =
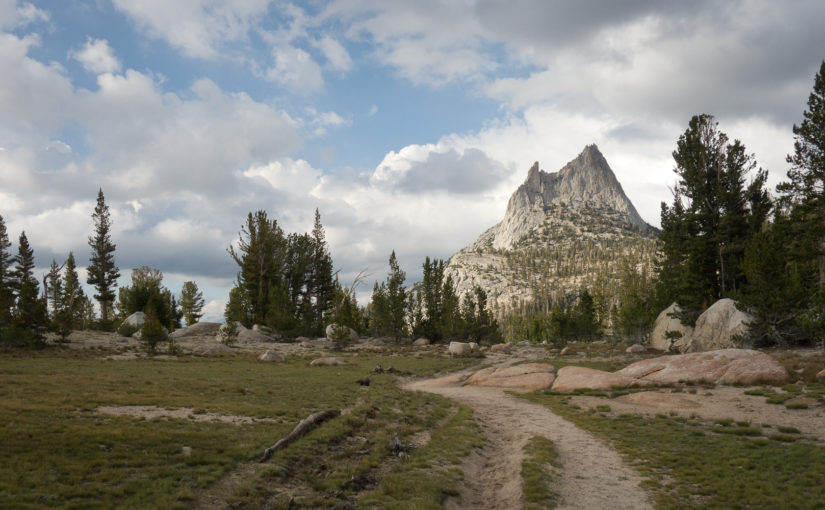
[
  {"x": 186, "y": 451},
  {"x": 568, "y": 351},
  {"x": 421, "y": 342},
  {"x": 328, "y": 361},
  {"x": 501, "y": 348},
  {"x": 821, "y": 375},
  {"x": 270, "y": 355},
  {"x": 636, "y": 349}
]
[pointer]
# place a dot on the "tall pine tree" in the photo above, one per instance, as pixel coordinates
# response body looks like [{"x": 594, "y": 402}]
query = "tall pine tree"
[
  {"x": 6, "y": 296},
  {"x": 191, "y": 303},
  {"x": 74, "y": 298},
  {"x": 396, "y": 299},
  {"x": 804, "y": 193},
  {"x": 102, "y": 271},
  {"x": 30, "y": 310},
  {"x": 712, "y": 219}
]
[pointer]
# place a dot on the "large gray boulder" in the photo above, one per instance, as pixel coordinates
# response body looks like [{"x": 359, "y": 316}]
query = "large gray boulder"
[
  {"x": 666, "y": 322},
  {"x": 245, "y": 335},
  {"x": 460, "y": 349},
  {"x": 718, "y": 328},
  {"x": 136, "y": 319},
  {"x": 336, "y": 331}
]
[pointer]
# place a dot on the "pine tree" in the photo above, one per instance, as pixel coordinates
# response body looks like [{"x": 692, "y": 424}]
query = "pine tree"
[
  {"x": 396, "y": 299},
  {"x": 323, "y": 288},
  {"x": 30, "y": 310},
  {"x": 262, "y": 249},
  {"x": 73, "y": 296},
  {"x": 6, "y": 296},
  {"x": 54, "y": 289},
  {"x": 102, "y": 271},
  {"x": 191, "y": 303},
  {"x": 705, "y": 232},
  {"x": 805, "y": 190}
]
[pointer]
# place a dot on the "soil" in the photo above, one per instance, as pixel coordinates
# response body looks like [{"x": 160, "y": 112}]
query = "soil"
[
  {"x": 592, "y": 475},
  {"x": 154, "y": 412},
  {"x": 720, "y": 403}
]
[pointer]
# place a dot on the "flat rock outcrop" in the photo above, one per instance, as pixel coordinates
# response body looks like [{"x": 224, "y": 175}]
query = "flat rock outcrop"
[
  {"x": 718, "y": 327},
  {"x": 197, "y": 329},
  {"x": 572, "y": 378},
  {"x": 725, "y": 366},
  {"x": 666, "y": 322},
  {"x": 527, "y": 376}
]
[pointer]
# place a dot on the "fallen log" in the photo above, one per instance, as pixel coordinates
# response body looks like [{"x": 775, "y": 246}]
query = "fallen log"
[{"x": 303, "y": 427}]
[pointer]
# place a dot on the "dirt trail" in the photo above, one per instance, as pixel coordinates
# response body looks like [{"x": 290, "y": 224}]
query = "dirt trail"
[{"x": 592, "y": 476}]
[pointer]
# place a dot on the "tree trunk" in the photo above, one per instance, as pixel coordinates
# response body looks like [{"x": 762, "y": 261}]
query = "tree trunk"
[{"x": 303, "y": 427}]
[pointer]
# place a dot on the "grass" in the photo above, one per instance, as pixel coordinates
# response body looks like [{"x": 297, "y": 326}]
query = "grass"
[
  {"x": 540, "y": 457},
  {"x": 692, "y": 463},
  {"x": 58, "y": 452}
]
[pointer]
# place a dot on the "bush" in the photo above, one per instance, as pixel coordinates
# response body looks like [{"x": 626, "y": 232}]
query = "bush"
[
  {"x": 127, "y": 330},
  {"x": 152, "y": 333},
  {"x": 229, "y": 333}
]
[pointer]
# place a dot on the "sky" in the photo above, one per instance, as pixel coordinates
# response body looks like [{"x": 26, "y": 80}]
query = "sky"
[{"x": 408, "y": 125}]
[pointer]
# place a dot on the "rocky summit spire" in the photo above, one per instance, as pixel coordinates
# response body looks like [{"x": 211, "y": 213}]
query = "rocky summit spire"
[{"x": 585, "y": 183}]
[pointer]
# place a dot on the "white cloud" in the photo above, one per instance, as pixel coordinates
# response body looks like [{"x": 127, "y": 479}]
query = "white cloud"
[
  {"x": 15, "y": 14},
  {"x": 336, "y": 55},
  {"x": 295, "y": 69},
  {"x": 373, "y": 110},
  {"x": 97, "y": 56},
  {"x": 200, "y": 28},
  {"x": 298, "y": 178}
]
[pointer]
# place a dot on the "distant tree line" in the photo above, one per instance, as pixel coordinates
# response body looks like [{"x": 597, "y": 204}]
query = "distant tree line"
[{"x": 63, "y": 306}]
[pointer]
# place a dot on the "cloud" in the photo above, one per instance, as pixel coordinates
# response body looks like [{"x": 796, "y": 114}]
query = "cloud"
[
  {"x": 336, "y": 55},
  {"x": 199, "y": 28},
  {"x": 14, "y": 14},
  {"x": 97, "y": 56},
  {"x": 295, "y": 69},
  {"x": 423, "y": 169}
]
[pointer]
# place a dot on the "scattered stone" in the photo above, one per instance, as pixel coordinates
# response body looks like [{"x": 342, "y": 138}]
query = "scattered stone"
[
  {"x": 821, "y": 375},
  {"x": 364, "y": 382},
  {"x": 501, "y": 348},
  {"x": 186, "y": 451},
  {"x": 636, "y": 349},
  {"x": 421, "y": 342},
  {"x": 328, "y": 361},
  {"x": 460, "y": 349},
  {"x": 197, "y": 329},
  {"x": 122, "y": 339},
  {"x": 666, "y": 324},
  {"x": 473, "y": 346},
  {"x": 524, "y": 343},
  {"x": 527, "y": 376},
  {"x": 725, "y": 366},
  {"x": 719, "y": 327},
  {"x": 572, "y": 378},
  {"x": 568, "y": 351},
  {"x": 270, "y": 355}
]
